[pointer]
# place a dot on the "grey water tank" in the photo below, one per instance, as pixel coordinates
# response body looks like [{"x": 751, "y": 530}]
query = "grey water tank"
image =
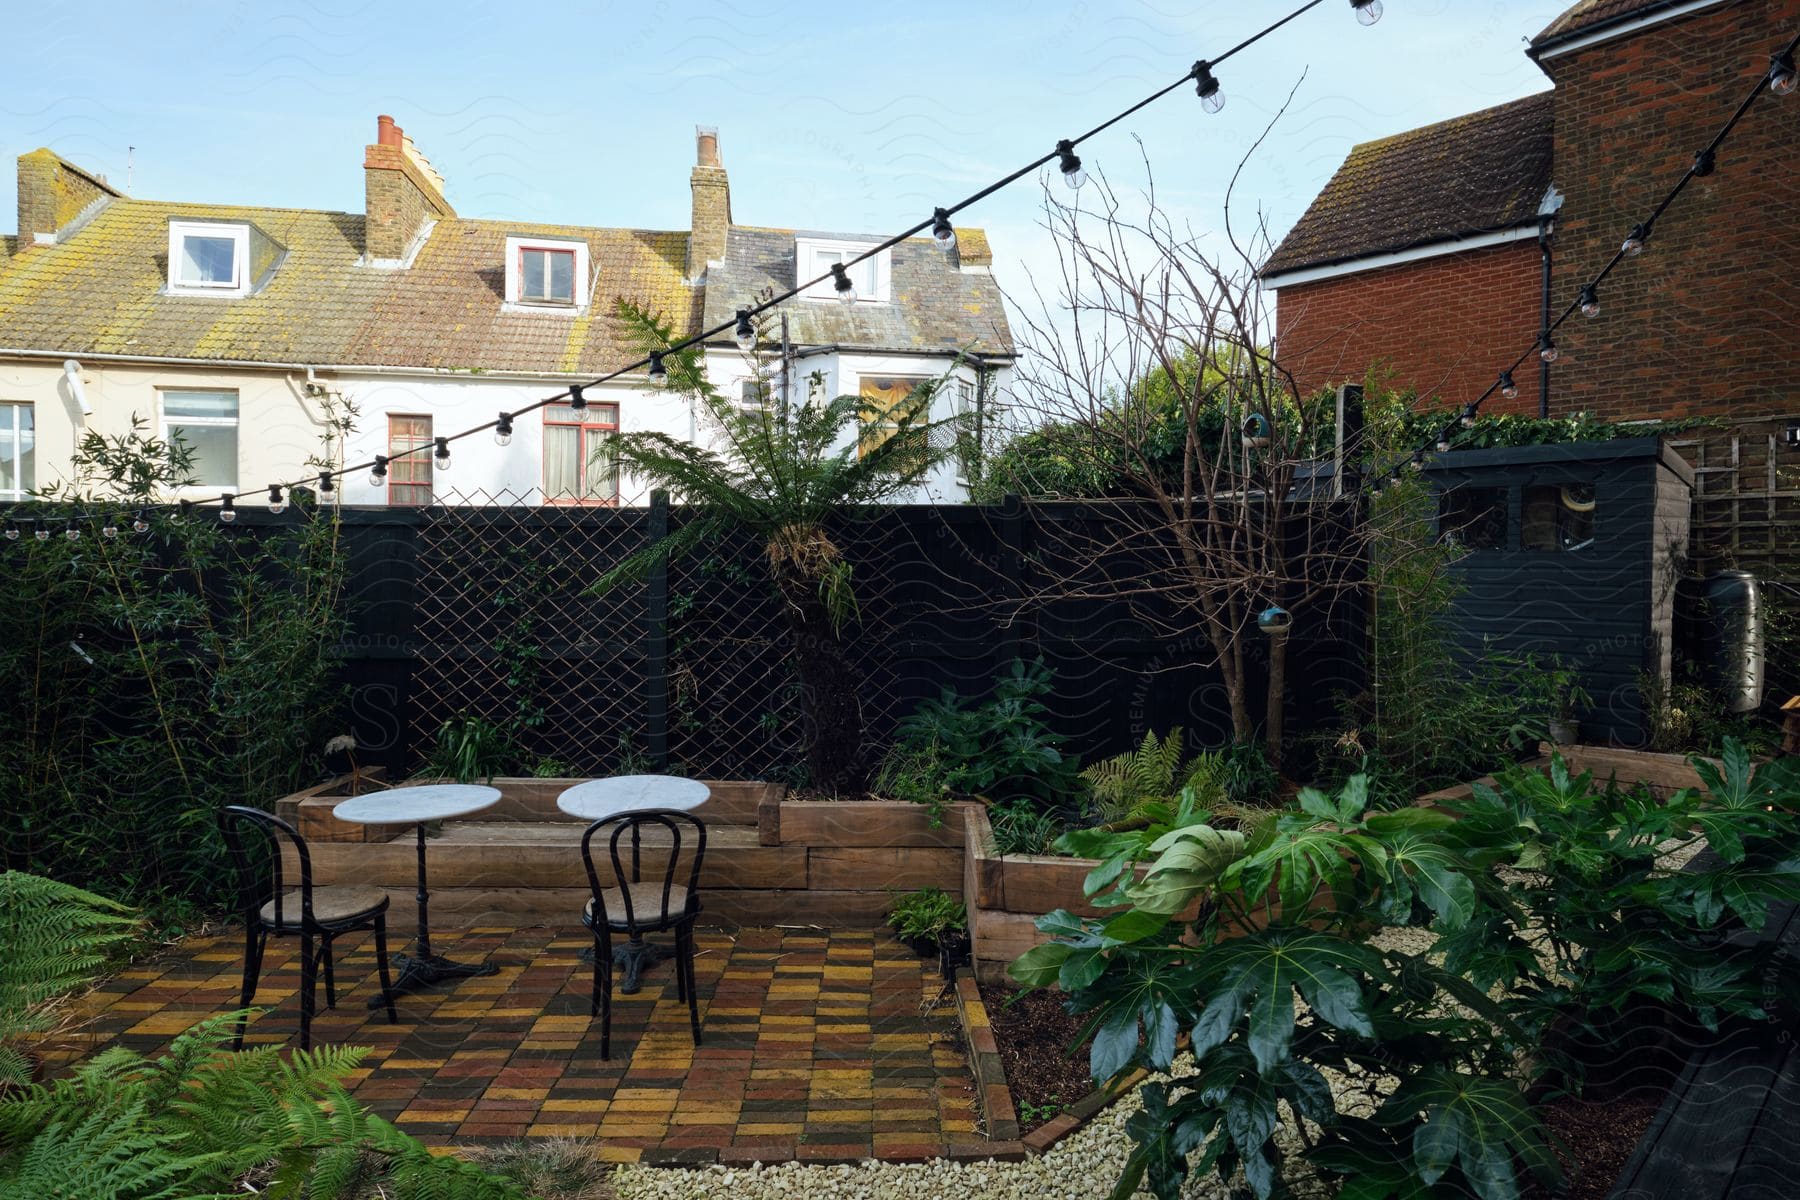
[{"x": 1731, "y": 620}]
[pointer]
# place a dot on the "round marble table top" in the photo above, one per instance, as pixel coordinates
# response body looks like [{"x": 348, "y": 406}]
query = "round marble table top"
[
  {"x": 414, "y": 805},
  {"x": 597, "y": 799}
]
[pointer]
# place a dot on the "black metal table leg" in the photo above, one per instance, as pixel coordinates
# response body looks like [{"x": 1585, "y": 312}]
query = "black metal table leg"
[{"x": 424, "y": 968}]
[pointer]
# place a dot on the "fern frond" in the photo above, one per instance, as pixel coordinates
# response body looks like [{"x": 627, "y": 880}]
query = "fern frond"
[{"x": 56, "y": 937}]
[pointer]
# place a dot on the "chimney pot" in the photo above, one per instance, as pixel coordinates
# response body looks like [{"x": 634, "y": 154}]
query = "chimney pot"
[
  {"x": 706, "y": 146},
  {"x": 386, "y": 132}
]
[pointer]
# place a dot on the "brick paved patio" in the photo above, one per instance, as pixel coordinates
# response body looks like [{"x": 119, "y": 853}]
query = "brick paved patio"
[{"x": 816, "y": 1044}]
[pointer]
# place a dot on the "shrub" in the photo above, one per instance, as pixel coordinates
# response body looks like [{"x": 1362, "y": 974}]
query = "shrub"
[{"x": 927, "y": 914}]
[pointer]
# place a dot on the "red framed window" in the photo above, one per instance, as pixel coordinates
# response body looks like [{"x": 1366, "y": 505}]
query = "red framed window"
[
  {"x": 546, "y": 276},
  {"x": 409, "y": 478},
  {"x": 579, "y": 464}
]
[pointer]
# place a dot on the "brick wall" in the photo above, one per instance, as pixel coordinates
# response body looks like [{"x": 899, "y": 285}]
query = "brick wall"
[
  {"x": 52, "y": 193},
  {"x": 398, "y": 198},
  {"x": 1445, "y": 325},
  {"x": 1707, "y": 320}
]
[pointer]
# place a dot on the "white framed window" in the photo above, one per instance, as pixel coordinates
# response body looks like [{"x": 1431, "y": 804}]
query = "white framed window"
[
  {"x": 209, "y": 258},
  {"x": 580, "y": 466},
  {"x": 872, "y": 277},
  {"x": 18, "y": 451},
  {"x": 206, "y": 422},
  {"x": 547, "y": 273}
]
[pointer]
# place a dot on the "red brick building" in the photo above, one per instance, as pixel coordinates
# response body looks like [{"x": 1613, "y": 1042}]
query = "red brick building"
[{"x": 1429, "y": 250}]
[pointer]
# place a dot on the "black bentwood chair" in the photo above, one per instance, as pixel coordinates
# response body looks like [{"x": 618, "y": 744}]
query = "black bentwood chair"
[
  {"x": 635, "y": 908},
  {"x": 315, "y": 915}
]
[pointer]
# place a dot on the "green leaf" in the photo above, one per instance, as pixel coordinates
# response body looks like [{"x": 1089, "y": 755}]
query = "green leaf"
[
  {"x": 1039, "y": 966},
  {"x": 1115, "y": 1045}
]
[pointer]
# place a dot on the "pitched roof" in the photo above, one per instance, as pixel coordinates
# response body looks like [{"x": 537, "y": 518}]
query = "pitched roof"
[
  {"x": 1592, "y": 14},
  {"x": 936, "y": 305},
  {"x": 101, "y": 291},
  {"x": 1473, "y": 174}
]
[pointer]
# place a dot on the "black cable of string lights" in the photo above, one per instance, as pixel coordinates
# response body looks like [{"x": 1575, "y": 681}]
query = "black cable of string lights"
[
  {"x": 1206, "y": 86},
  {"x": 1781, "y": 79}
]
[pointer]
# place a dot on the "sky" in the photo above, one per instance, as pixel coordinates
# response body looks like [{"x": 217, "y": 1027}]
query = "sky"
[{"x": 834, "y": 117}]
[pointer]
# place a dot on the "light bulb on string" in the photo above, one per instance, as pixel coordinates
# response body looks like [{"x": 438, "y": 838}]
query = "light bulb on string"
[
  {"x": 442, "y": 455},
  {"x": 578, "y": 392},
  {"x": 1547, "y": 351},
  {"x": 277, "y": 501},
  {"x": 659, "y": 374},
  {"x": 141, "y": 522},
  {"x": 1634, "y": 241},
  {"x": 745, "y": 333},
  {"x": 72, "y": 531},
  {"x": 1468, "y": 417},
  {"x": 41, "y": 531},
  {"x": 109, "y": 526},
  {"x": 1590, "y": 302},
  {"x": 12, "y": 530},
  {"x": 1705, "y": 163},
  {"x": 1367, "y": 11},
  {"x": 325, "y": 483},
  {"x": 378, "y": 473},
  {"x": 1443, "y": 439},
  {"x": 1508, "y": 388},
  {"x": 1416, "y": 463},
  {"x": 1782, "y": 77},
  {"x": 228, "y": 508},
  {"x": 503, "y": 430},
  {"x": 942, "y": 232},
  {"x": 1069, "y": 163},
  {"x": 1206, "y": 86},
  {"x": 840, "y": 280}
]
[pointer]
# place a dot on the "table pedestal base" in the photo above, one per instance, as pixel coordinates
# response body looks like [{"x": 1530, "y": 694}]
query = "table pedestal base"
[
  {"x": 633, "y": 959},
  {"x": 414, "y": 972}
]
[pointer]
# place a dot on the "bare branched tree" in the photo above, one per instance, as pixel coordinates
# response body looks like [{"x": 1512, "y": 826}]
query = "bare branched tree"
[{"x": 1150, "y": 373}]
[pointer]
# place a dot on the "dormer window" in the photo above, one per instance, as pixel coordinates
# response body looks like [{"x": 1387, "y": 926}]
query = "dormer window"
[
  {"x": 546, "y": 272},
  {"x": 814, "y": 257},
  {"x": 208, "y": 258}
]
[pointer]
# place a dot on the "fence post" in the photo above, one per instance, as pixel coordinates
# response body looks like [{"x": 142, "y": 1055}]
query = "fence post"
[
  {"x": 656, "y": 637},
  {"x": 1012, "y": 567}
]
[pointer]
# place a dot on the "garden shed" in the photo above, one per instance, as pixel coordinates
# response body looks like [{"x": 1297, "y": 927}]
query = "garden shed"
[{"x": 1575, "y": 550}]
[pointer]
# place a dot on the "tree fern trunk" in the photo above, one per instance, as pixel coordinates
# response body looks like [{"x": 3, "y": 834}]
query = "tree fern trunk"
[{"x": 830, "y": 698}]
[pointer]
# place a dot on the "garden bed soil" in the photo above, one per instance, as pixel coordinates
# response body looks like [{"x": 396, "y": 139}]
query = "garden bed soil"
[
  {"x": 1034, "y": 1032},
  {"x": 1594, "y": 1139}
]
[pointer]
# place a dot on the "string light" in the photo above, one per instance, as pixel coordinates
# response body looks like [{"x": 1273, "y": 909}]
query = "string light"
[
  {"x": 1468, "y": 416},
  {"x": 1508, "y": 388},
  {"x": 228, "y": 507},
  {"x": 745, "y": 333},
  {"x": 1443, "y": 441},
  {"x": 659, "y": 374},
  {"x": 1206, "y": 86},
  {"x": 1705, "y": 163},
  {"x": 109, "y": 527},
  {"x": 942, "y": 232},
  {"x": 277, "y": 501},
  {"x": 1634, "y": 241},
  {"x": 1782, "y": 76},
  {"x": 72, "y": 531},
  {"x": 503, "y": 430},
  {"x": 1590, "y": 301},
  {"x": 840, "y": 279},
  {"x": 1417, "y": 463},
  {"x": 378, "y": 472},
  {"x": 141, "y": 522},
  {"x": 1367, "y": 11},
  {"x": 41, "y": 531},
  {"x": 1069, "y": 163},
  {"x": 12, "y": 530},
  {"x": 1546, "y": 348},
  {"x": 442, "y": 456}
]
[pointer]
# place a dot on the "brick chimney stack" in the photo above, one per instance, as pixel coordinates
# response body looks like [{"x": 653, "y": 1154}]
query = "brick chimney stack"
[
  {"x": 401, "y": 192},
  {"x": 712, "y": 205},
  {"x": 53, "y": 193}
]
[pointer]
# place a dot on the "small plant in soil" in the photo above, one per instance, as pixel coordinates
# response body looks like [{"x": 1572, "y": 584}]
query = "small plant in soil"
[{"x": 927, "y": 917}]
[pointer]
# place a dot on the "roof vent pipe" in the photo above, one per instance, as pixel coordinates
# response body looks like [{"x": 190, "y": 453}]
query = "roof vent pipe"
[{"x": 77, "y": 389}]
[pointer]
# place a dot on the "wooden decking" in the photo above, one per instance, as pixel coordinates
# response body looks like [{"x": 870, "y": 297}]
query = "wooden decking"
[{"x": 1730, "y": 1127}]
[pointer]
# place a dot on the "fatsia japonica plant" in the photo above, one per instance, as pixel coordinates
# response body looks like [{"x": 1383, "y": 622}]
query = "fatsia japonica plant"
[{"x": 1257, "y": 948}]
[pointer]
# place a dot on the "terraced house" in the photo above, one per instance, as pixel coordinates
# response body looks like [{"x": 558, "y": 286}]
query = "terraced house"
[{"x": 241, "y": 329}]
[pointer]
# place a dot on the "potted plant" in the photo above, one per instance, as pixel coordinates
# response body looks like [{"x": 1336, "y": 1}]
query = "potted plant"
[
  {"x": 1566, "y": 697},
  {"x": 929, "y": 919}
]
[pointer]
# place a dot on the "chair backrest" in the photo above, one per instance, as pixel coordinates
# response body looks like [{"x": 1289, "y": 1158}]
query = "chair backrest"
[
  {"x": 685, "y": 854},
  {"x": 255, "y": 839}
]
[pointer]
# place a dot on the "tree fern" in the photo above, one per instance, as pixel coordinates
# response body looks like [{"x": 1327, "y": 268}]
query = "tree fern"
[{"x": 111, "y": 1154}]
